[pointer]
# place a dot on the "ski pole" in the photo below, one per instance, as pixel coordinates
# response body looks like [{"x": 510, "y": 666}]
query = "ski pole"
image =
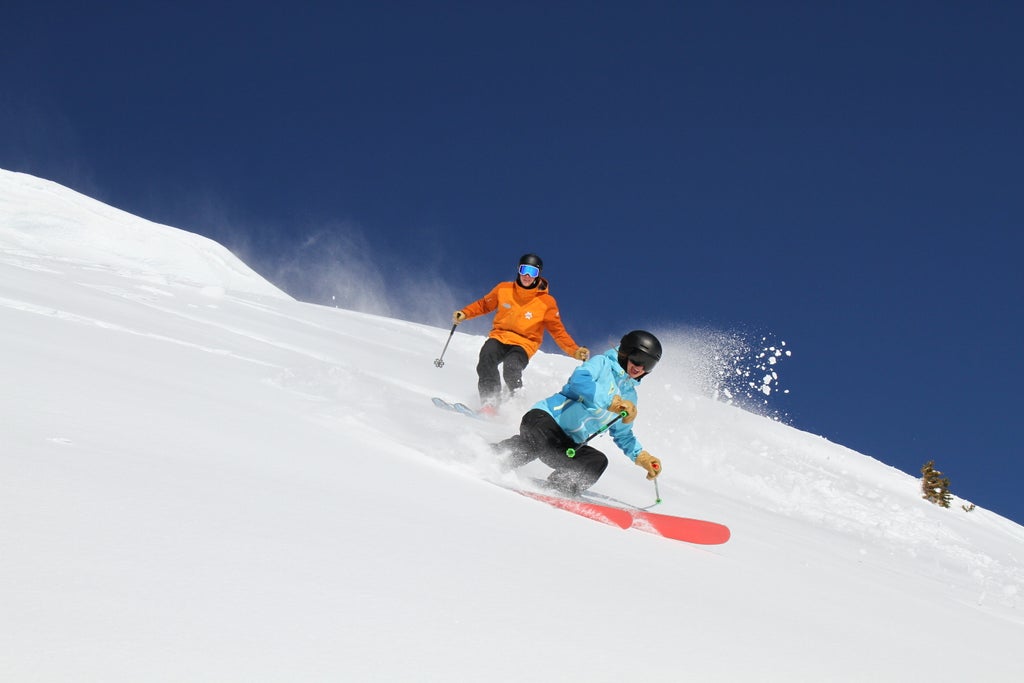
[
  {"x": 571, "y": 451},
  {"x": 657, "y": 494},
  {"x": 439, "y": 362}
]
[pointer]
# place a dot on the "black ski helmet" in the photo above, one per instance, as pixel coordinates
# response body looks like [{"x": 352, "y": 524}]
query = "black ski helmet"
[
  {"x": 642, "y": 347},
  {"x": 531, "y": 260}
]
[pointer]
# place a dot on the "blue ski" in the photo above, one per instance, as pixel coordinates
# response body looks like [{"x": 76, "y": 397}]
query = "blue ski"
[{"x": 456, "y": 407}]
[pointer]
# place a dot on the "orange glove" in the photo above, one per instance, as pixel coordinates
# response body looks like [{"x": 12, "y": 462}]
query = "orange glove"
[
  {"x": 582, "y": 353},
  {"x": 458, "y": 317},
  {"x": 619, "y": 404},
  {"x": 649, "y": 463}
]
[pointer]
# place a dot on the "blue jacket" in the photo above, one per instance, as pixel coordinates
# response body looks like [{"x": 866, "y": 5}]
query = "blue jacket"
[{"x": 581, "y": 407}]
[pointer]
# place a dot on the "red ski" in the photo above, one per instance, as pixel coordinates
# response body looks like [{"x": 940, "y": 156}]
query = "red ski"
[
  {"x": 669, "y": 526},
  {"x": 681, "y": 528},
  {"x": 602, "y": 513}
]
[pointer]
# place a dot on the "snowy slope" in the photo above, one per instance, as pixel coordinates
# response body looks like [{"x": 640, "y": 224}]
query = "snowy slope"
[{"x": 203, "y": 479}]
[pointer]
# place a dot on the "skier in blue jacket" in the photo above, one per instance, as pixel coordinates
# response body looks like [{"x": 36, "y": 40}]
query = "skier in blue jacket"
[{"x": 597, "y": 391}]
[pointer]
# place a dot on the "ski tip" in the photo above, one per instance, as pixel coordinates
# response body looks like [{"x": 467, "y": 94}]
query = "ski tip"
[
  {"x": 699, "y": 531},
  {"x": 460, "y": 408}
]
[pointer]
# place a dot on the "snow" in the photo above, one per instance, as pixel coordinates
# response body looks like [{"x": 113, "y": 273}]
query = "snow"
[{"x": 204, "y": 479}]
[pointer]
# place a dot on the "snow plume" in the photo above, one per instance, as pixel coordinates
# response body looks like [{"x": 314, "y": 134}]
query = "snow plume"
[
  {"x": 341, "y": 266},
  {"x": 333, "y": 266},
  {"x": 732, "y": 367}
]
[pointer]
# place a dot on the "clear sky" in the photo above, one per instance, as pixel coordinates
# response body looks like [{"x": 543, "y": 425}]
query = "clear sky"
[{"x": 846, "y": 178}]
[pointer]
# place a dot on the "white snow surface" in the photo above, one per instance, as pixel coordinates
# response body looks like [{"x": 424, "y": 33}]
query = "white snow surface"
[{"x": 202, "y": 479}]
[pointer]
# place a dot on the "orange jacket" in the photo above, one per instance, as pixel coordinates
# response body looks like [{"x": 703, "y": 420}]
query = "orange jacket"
[{"x": 523, "y": 315}]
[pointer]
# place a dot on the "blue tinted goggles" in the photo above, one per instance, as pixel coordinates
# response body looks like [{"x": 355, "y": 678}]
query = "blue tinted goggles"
[{"x": 532, "y": 271}]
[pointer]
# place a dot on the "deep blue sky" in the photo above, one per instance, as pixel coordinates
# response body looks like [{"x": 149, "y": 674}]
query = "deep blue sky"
[{"x": 846, "y": 177}]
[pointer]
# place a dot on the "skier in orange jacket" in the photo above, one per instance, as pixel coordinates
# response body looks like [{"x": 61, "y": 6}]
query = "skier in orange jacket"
[{"x": 524, "y": 310}]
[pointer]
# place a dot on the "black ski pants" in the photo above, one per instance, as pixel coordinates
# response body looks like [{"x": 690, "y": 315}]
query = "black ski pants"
[
  {"x": 540, "y": 438},
  {"x": 513, "y": 361}
]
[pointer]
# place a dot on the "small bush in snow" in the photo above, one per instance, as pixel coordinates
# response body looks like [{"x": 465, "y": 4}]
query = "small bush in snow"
[{"x": 935, "y": 486}]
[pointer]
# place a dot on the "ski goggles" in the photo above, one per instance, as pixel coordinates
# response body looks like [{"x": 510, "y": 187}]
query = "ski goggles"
[
  {"x": 532, "y": 271},
  {"x": 643, "y": 360}
]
